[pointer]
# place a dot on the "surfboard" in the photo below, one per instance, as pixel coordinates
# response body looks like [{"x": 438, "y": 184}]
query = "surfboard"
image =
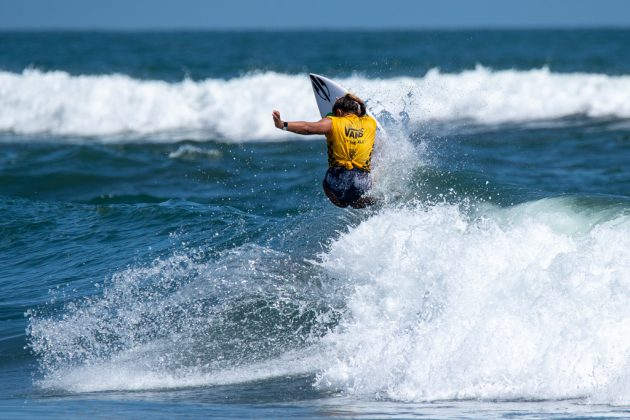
[{"x": 326, "y": 93}]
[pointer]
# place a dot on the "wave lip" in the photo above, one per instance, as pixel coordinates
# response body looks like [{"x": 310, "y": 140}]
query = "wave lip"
[{"x": 117, "y": 107}]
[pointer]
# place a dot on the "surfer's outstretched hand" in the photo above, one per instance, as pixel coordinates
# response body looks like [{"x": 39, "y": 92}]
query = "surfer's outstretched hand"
[{"x": 276, "y": 118}]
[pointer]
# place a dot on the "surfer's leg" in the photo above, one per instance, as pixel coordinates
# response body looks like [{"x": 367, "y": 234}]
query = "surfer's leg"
[
  {"x": 358, "y": 190},
  {"x": 333, "y": 199},
  {"x": 332, "y": 189}
]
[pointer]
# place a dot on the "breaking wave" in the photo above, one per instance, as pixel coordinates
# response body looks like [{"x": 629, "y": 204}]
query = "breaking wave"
[
  {"x": 117, "y": 107},
  {"x": 420, "y": 303},
  {"x": 528, "y": 302}
]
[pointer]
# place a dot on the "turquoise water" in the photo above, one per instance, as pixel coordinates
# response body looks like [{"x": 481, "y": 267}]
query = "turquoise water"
[{"x": 165, "y": 251}]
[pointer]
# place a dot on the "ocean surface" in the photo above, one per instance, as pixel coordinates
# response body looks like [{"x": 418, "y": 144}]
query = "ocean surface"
[{"x": 166, "y": 252}]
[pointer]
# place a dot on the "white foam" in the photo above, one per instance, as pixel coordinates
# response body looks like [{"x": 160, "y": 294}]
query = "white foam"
[
  {"x": 490, "y": 97},
  {"x": 190, "y": 152},
  {"x": 129, "y": 372},
  {"x": 528, "y": 302},
  {"x": 116, "y": 107},
  {"x": 503, "y": 306},
  {"x": 119, "y": 107},
  {"x": 182, "y": 322}
]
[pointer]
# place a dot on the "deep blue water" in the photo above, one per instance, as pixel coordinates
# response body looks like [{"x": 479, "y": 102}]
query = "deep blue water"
[{"x": 165, "y": 251}]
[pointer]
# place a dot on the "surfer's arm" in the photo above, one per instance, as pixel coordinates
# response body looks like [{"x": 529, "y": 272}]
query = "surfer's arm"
[{"x": 322, "y": 126}]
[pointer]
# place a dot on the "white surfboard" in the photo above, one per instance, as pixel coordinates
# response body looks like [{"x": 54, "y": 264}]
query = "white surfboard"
[{"x": 327, "y": 92}]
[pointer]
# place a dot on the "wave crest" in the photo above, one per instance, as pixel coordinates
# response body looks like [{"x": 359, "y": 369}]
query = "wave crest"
[{"x": 115, "y": 106}]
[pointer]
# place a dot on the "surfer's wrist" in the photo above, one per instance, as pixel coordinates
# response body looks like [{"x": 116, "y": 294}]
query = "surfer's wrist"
[{"x": 285, "y": 126}]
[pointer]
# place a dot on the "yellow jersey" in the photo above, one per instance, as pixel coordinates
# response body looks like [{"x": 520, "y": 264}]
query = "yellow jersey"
[{"x": 350, "y": 141}]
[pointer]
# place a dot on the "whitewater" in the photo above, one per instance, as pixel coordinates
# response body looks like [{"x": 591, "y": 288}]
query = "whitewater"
[
  {"x": 523, "y": 303},
  {"x": 520, "y": 303},
  {"x": 117, "y": 107}
]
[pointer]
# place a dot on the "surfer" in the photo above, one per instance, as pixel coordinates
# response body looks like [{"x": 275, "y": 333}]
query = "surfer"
[{"x": 350, "y": 135}]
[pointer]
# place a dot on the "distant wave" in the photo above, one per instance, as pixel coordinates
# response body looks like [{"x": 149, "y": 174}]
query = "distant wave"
[{"x": 119, "y": 107}]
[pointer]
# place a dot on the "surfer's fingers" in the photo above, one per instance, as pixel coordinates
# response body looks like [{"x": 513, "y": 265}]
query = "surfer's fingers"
[{"x": 276, "y": 118}]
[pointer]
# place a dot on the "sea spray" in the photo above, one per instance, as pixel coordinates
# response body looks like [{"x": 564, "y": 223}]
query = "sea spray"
[
  {"x": 187, "y": 320},
  {"x": 493, "y": 304}
]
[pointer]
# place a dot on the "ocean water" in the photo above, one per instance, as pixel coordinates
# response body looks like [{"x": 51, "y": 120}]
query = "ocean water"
[{"x": 166, "y": 252}]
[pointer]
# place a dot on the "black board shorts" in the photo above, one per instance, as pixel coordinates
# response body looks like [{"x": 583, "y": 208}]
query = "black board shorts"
[{"x": 345, "y": 187}]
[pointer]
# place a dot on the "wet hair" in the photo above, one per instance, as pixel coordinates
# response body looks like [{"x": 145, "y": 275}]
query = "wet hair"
[{"x": 350, "y": 104}]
